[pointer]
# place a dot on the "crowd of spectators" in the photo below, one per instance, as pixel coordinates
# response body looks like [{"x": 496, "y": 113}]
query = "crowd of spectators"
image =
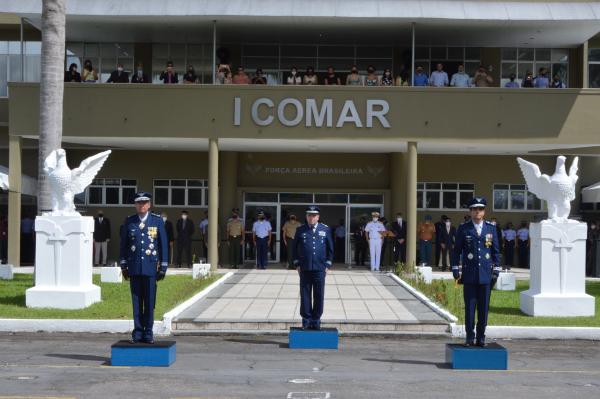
[{"x": 224, "y": 75}]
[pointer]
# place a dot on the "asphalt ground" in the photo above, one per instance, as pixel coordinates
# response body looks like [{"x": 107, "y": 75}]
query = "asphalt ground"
[{"x": 78, "y": 366}]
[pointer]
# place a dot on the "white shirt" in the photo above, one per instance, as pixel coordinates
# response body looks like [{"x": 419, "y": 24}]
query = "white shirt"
[
  {"x": 373, "y": 228},
  {"x": 478, "y": 227},
  {"x": 203, "y": 225},
  {"x": 143, "y": 219},
  {"x": 438, "y": 79},
  {"x": 261, "y": 228}
]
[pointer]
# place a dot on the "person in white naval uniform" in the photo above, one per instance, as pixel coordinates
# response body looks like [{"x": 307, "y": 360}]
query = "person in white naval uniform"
[{"x": 374, "y": 229}]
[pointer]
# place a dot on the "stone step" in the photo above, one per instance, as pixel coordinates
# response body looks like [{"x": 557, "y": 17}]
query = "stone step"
[{"x": 345, "y": 327}]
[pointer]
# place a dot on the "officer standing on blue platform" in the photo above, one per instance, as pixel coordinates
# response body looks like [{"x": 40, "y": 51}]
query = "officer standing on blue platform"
[
  {"x": 313, "y": 256},
  {"x": 144, "y": 259},
  {"x": 477, "y": 244}
]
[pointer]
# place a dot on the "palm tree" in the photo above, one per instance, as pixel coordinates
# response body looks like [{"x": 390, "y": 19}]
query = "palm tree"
[{"x": 51, "y": 90}]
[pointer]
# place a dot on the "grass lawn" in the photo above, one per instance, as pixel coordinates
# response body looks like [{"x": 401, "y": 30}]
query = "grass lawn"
[
  {"x": 116, "y": 299},
  {"x": 505, "y": 309}
]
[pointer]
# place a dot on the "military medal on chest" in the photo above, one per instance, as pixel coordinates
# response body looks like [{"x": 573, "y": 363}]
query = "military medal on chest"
[{"x": 152, "y": 232}]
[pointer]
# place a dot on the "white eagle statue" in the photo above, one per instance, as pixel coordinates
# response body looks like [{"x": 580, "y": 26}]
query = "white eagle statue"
[
  {"x": 557, "y": 190},
  {"x": 66, "y": 183}
]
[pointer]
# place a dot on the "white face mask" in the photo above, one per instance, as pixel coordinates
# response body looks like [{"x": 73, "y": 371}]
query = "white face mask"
[
  {"x": 399, "y": 220},
  {"x": 375, "y": 219},
  {"x": 448, "y": 224},
  {"x": 184, "y": 217},
  {"x": 164, "y": 218},
  {"x": 120, "y": 69},
  {"x": 294, "y": 73}
]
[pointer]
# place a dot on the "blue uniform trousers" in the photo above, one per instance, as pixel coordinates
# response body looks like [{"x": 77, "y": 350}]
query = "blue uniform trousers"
[
  {"x": 425, "y": 247},
  {"x": 143, "y": 297},
  {"x": 262, "y": 252},
  {"x": 523, "y": 254},
  {"x": 312, "y": 296},
  {"x": 509, "y": 253},
  {"x": 476, "y": 296}
]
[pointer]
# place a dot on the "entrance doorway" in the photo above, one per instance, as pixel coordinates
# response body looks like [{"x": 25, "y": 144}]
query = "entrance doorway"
[{"x": 342, "y": 212}]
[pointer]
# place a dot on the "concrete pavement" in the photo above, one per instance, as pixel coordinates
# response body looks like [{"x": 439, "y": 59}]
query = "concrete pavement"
[{"x": 49, "y": 365}]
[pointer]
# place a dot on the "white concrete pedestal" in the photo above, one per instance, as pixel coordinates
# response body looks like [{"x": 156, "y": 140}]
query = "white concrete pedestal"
[
  {"x": 111, "y": 274},
  {"x": 507, "y": 281},
  {"x": 6, "y": 272},
  {"x": 200, "y": 270},
  {"x": 63, "y": 269},
  {"x": 557, "y": 280},
  {"x": 426, "y": 272}
]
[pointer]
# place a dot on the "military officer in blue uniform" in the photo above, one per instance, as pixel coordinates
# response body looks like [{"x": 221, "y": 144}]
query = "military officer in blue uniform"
[
  {"x": 143, "y": 257},
  {"x": 313, "y": 256},
  {"x": 477, "y": 245}
]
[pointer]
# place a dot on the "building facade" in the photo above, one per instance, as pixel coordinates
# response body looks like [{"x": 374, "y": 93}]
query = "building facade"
[{"x": 352, "y": 149}]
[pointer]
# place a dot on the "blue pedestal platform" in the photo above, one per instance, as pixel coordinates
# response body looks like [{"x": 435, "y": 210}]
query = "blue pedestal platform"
[
  {"x": 325, "y": 338},
  {"x": 491, "y": 357},
  {"x": 159, "y": 354}
]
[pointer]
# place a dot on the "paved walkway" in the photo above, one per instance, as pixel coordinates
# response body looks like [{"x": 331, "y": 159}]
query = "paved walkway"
[{"x": 270, "y": 298}]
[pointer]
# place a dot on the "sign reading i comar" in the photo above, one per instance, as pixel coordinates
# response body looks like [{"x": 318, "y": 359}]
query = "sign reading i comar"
[{"x": 264, "y": 111}]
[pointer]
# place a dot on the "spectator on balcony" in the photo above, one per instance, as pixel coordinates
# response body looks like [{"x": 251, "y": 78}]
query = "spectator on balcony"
[
  {"x": 420, "y": 78},
  {"x": 460, "y": 78},
  {"x": 332, "y": 79},
  {"x": 541, "y": 81},
  {"x": 512, "y": 84},
  {"x": 353, "y": 78},
  {"x": 241, "y": 77},
  {"x": 372, "y": 79},
  {"x": 169, "y": 76},
  {"x": 139, "y": 76},
  {"x": 228, "y": 79},
  {"x": 72, "y": 75},
  {"x": 222, "y": 70},
  {"x": 439, "y": 77},
  {"x": 118, "y": 75},
  {"x": 190, "y": 76},
  {"x": 294, "y": 78},
  {"x": 528, "y": 81},
  {"x": 259, "y": 78},
  {"x": 89, "y": 74},
  {"x": 310, "y": 78},
  {"x": 482, "y": 78},
  {"x": 387, "y": 79},
  {"x": 402, "y": 79},
  {"x": 557, "y": 82}
]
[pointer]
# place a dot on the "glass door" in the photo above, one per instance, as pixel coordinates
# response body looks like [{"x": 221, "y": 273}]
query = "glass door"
[
  {"x": 271, "y": 211},
  {"x": 358, "y": 215}
]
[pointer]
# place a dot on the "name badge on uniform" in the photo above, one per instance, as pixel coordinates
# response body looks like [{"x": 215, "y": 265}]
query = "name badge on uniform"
[{"x": 322, "y": 233}]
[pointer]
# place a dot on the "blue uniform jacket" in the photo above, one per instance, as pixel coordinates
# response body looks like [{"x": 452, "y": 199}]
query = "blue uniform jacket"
[
  {"x": 313, "y": 251},
  {"x": 143, "y": 248},
  {"x": 480, "y": 254}
]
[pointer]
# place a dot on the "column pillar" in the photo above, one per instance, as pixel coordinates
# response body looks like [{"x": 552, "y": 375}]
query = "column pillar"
[
  {"x": 213, "y": 203},
  {"x": 14, "y": 200},
  {"x": 397, "y": 183},
  {"x": 585, "y": 78},
  {"x": 228, "y": 172},
  {"x": 411, "y": 204}
]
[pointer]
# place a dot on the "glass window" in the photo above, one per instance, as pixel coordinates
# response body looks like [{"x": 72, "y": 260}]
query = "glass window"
[
  {"x": 509, "y": 54},
  {"x": 195, "y": 197},
  {"x": 456, "y": 53},
  {"x": 422, "y": 53},
  {"x": 127, "y": 195},
  {"x": 465, "y": 197},
  {"x": 472, "y": 53},
  {"x": 420, "y": 196},
  {"x": 526, "y": 54},
  {"x": 366, "y": 198},
  {"x": 594, "y": 75},
  {"x": 296, "y": 197},
  {"x": 331, "y": 198},
  {"x": 517, "y": 199},
  {"x": 449, "y": 200},
  {"x": 432, "y": 199},
  {"x": 95, "y": 195},
  {"x": 112, "y": 196},
  {"x": 438, "y": 53},
  {"x": 542, "y": 54},
  {"x": 178, "y": 196},
  {"x": 161, "y": 196},
  {"x": 501, "y": 199},
  {"x": 261, "y": 197}
]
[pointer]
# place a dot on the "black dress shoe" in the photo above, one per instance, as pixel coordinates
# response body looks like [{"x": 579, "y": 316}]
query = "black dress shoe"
[
  {"x": 133, "y": 341},
  {"x": 468, "y": 344},
  {"x": 481, "y": 344}
]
